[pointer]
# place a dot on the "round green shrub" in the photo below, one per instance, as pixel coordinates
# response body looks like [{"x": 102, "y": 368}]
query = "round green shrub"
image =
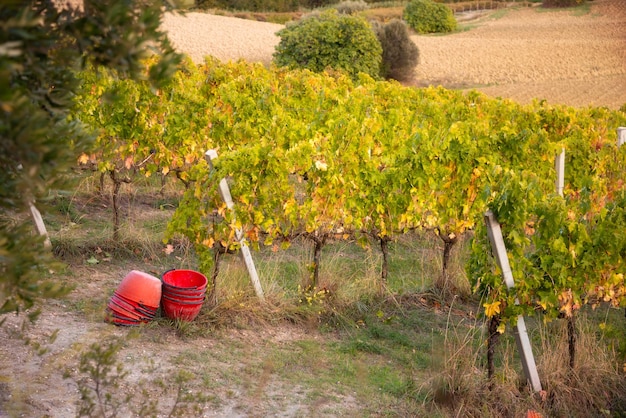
[
  {"x": 330, "y": 40},
  {"x": 426, "y": 16}
]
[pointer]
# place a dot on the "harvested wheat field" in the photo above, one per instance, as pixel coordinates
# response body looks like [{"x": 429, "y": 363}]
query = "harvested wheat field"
[{"x": 568, "y": 57}]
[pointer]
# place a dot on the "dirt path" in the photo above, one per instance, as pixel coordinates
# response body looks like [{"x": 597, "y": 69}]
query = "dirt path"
[{"x": 562, "y": 56}]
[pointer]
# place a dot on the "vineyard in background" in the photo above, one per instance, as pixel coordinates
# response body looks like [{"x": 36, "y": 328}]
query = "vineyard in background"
[
  {"x": 321, "y": 157},
  {"x": 376, "y": 11}
]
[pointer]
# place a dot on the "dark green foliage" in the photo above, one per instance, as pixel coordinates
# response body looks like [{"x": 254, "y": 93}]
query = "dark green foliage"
[
  {"x": 426, "y": 16},
  {"x": 562, "y": 3},
  {"x": 400, "y": 54},
  {"x": 40, "y": 47},
  {"x": 263, "y": 5},
  {"x": 330, "y": 40},
  {"x": 312, "y": 4}
]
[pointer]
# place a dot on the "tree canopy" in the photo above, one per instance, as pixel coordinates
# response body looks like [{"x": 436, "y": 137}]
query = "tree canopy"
[{"x": 42, "y": 45}]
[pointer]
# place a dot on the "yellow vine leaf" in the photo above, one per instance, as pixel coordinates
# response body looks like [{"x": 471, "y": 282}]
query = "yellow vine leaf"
[
  {"x": 83, "y": 159},
  {"x": 320, "y": 165},
  {"x": 431, "y": 220},
  {"x": 492, "y": 309},
  {"x": 567, "y": 302}
]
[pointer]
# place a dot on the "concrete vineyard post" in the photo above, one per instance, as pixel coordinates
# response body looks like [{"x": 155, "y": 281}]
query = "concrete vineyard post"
[
  {"x": 521, "y": 335},
  {"x": 211, "y": 155},
  {"x": 41, "y": 227},
  {"x": 560, "y": 172},
  {"x": 621, "y": 136}
]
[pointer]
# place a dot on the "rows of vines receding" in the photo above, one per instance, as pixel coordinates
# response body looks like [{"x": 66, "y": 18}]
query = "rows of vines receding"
[{"x": 322, "y": 156}]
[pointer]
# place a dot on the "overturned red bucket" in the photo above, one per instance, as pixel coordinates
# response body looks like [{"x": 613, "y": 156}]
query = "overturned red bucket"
[
  {"x": 183, "y": 294},
  {"x": 136, "y": 299}
]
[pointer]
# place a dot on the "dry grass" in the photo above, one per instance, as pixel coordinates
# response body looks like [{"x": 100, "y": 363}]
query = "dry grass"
[{"x": 594, "y": 386}]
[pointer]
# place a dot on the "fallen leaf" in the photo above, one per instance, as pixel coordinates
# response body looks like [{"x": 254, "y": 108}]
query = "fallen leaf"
[{"x": 169, "y": 249}]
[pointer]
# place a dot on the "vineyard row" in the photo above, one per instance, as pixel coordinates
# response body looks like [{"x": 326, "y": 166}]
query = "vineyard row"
[{"x": 321, "y": 156}]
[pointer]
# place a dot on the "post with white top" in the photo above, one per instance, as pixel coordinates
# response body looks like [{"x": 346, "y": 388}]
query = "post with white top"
[
  {"x": 560, "y": 172},
  {"x": 521, "y": 334},
  {"x": 211, "y": 155},
  {"x": 621, "y": 136}
]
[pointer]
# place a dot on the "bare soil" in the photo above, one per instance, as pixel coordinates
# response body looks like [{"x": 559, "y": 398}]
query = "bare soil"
[
  {"x": 562, "y": 56},
  {"x": 569, "y": 57}
]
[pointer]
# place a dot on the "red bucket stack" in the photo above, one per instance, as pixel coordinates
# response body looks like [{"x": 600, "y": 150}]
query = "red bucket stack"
[
  {"x": 183, "y": 294},
  {"x": 136, "y": 299}
]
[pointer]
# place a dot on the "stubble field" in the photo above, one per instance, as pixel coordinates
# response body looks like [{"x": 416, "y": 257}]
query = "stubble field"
[{"x": 573, "y": 57}]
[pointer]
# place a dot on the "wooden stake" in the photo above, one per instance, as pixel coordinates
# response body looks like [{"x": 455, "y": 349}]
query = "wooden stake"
[
  {"x": 521, "y": 335},
  {"x": 211, "y": 155}
]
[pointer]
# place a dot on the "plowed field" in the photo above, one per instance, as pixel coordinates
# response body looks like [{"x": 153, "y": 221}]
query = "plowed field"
[{"x": 573, "y": 57}]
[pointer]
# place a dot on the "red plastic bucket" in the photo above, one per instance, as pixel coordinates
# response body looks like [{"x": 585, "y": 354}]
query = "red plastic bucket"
[
  {"x": 141, "y": 287},
  {"x": 183, "y": 294},
  {"x": 175, "y": 292},
  {"x": 184, "y": 280},
  {"x": 136, "y": 299},
  {"x": 180, "y": 310},
  {"x": 133, "y": 306},
  {"x": 183, "y": 301}
]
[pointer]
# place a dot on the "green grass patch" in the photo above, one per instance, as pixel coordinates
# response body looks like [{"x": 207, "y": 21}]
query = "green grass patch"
[{"x": 582, "y": 10}]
